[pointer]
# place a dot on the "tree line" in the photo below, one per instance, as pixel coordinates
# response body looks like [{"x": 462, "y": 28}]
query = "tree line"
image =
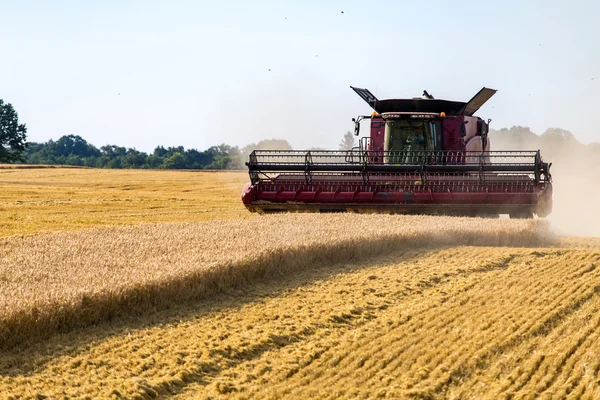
[{"x": 76, "y": 151}]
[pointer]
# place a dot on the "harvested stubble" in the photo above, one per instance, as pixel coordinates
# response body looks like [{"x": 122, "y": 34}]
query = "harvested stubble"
[
  {"x": 452, "y": 323},
  {"x": 57, "y": 282}
]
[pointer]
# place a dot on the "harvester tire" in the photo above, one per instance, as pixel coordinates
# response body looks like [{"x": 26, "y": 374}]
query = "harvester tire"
[{"x": 521, "y": 215}]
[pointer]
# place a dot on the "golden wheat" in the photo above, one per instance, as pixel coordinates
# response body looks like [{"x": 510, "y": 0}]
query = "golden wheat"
[
  {"x": 57, "y": 281},
  {"x": 65, "y": 199},
  {"x": 461, "y": 322},
  {"x": 293, "y": 306}
]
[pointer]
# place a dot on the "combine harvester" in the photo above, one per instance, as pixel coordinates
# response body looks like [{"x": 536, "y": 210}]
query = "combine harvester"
[{"x": 423, "y": 156}]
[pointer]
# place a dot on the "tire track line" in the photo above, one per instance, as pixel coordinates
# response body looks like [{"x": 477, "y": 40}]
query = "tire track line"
[
  {"x": 435, "y": 328},
  {"x": 484, "y": 354},
  {"x": 495, "y": 326},
  {"x": 353, "y": 359}
]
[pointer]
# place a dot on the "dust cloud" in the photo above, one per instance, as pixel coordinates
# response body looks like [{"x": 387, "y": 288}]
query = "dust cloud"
[
  {"x": 576, "y": 183},
  {"x": 575, "y": 174}
]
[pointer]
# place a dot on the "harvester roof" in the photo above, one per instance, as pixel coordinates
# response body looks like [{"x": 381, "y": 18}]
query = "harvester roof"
[{"x": 426, "y": 104}]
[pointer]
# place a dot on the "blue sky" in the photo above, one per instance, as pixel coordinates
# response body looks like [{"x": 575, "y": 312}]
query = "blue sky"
[{"x": 196, "y": 73}]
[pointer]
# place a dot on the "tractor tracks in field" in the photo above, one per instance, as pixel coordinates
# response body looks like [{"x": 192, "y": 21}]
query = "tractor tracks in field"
[
  {"x": 345, "y": 323},
  {"x": 406, "y": 350},
  {"x": 332, "y": 360},
  {"x": 208, "y": 363},
  {"x": 431, "y": 323},
  {"x": 533, "y": 324},
  {"x": 535, "y": 327}
]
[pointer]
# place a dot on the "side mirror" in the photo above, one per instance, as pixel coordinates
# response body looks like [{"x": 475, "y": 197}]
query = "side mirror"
[
  {"x": 482, "y": 128},
  {"x": 356, "y": 127},
  {"x": 463, "y": 129}
]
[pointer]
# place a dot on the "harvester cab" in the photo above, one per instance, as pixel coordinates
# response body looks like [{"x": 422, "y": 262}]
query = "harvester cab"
[
  {"x": 422, "y": 155},
  {"x": 397, "y": 122}
]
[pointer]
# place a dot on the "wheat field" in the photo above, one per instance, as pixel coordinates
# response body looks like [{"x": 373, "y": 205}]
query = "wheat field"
[
  {"x": 217, "y": 303},
  {"x": 41, "y": 200}
]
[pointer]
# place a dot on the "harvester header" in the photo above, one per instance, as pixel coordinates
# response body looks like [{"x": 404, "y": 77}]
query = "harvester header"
[{"x": 423, "y": 155}]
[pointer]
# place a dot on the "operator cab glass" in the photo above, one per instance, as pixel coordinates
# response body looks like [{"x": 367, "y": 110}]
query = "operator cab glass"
[{"x": 407, "y": 139}]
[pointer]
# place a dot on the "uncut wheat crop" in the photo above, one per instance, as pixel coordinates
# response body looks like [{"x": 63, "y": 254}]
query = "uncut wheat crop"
[{"x": 60, "y": 280}]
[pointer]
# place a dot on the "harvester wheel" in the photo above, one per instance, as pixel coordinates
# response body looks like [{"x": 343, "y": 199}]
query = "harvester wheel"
[{"x": 521, "y": 215}]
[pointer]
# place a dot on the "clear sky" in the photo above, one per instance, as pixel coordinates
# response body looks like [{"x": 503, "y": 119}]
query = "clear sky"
[{"x": 142, "y": 73}]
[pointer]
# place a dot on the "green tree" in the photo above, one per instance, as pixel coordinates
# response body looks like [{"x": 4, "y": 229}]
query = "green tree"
[
  {"x": 176, "y": 161},
  {"x": 348, "y": 142},
  {"x": 74, "y": 145},
  {"x": 13, "y": 136}
]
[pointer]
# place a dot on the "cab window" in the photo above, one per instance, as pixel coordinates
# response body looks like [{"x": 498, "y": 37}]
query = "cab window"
[{"x": 405, "y": 137}]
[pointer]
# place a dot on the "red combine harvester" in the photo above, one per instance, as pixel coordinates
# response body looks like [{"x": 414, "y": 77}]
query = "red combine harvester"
[{"x": 423, "y": 156}]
